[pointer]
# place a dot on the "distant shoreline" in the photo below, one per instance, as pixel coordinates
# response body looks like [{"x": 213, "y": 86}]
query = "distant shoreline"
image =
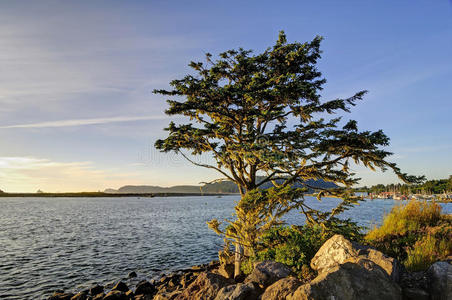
[{"x": 107, "y": 195}]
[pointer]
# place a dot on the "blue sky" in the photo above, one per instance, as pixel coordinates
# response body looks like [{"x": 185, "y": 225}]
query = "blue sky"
[{"x": 77, "y": 112}]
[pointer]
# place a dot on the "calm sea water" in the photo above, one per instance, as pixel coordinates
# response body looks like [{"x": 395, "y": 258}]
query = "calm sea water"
[{"x": 63, "y": 243}]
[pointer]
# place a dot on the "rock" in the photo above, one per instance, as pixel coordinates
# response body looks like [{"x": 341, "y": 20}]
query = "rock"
[
  {"x": 145, "y": 288},
  {"x": 121, "y": 286},
  {"x": 226, "y": 270},
  {"x": 80, "y": 296},
  {"x": 167, "y": 296},
  {"x": 415, "y": 294},
  {"x": 60, "y": 295},
  {"x": 389, "y": 264},
  {"x": 415, "y": 280},
  {"x": 143, "y": 297},
  {"x": 238, "y": 291},
  {"x": 355, "y": 279},
  {"x": 116, "y": 295},
  {"x": 99, "y": 296},
  {"x": 267, "y": 272},
  {"x": 440, "y": 274},
  {"x": 205, "y": 287},
  {"x": 132, "y": 274},
  {"x": 338, "y": 249},
  {"x": 96, "y": 290},
  {"x": 187, "y": 279},
  {"x": 130, "y": 294},
  {"x": 281, "y": 289}
]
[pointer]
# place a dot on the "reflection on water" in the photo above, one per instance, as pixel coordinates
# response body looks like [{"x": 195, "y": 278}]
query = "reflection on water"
[{"x": 52, "y": 243}]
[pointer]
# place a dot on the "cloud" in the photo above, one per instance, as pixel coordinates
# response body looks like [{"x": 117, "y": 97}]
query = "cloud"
[
  {"x": 28, "y": 174},
  {"x": 82, "y": 122}
]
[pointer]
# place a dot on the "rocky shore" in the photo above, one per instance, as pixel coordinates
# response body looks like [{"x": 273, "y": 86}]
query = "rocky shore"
[{"x": 345, "y": 270}]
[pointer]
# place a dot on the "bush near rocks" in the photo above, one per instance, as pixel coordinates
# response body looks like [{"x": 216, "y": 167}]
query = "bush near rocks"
[{"x": 295, "y": 246}]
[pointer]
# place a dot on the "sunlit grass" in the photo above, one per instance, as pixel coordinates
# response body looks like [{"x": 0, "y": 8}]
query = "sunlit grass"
[{"x": 416, "y": 233}]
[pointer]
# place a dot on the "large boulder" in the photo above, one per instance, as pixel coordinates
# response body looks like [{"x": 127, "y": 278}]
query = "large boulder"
[
  {"x": 239, "y": 291},
  {"x": 268, "y": 272},
  {"x": 205, "y": 287},
  {"x": 281, "y": 289},
  {"x": 440, "y": 274},
  {"x": 338, "y": 249},
  {"x": 354, "y": 279}
]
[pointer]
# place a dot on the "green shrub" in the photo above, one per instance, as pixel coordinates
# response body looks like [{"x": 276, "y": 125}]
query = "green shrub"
[
  {"x": 416, "y": 233},
  {"x": 295, "y": 246}
]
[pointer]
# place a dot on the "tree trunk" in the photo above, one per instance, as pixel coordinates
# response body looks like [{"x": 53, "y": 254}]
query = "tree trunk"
[{"x": 238, "y": 260}]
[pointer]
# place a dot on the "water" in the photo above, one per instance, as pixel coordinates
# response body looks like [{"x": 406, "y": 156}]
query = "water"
[{"x": 72, "y": 243}]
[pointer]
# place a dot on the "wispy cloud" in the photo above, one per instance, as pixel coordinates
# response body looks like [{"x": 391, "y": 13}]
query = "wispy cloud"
[{"x": 82, "y": 122}]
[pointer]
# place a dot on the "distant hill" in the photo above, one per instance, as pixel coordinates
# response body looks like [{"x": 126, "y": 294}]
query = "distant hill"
[{"x": 217, "y": 187}]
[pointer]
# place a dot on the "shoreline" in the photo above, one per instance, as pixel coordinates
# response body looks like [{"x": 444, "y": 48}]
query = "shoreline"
[
  {"x": 347, "y": 265},
  {"x": 106, "y": 195}
]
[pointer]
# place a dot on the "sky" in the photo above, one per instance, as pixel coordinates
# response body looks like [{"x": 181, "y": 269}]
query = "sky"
[{"x": 77, "y": 111}]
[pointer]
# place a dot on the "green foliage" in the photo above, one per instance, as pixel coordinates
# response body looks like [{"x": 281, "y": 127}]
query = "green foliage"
[
  {"x": 436, "y": 186},
  {"x": 415, "y": 233},
  {"x": 258, "y": 212},
  {"x": 295, "y": 246}
]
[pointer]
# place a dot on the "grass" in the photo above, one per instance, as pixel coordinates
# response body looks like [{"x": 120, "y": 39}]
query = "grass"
[{"x": 416, "y": 233}]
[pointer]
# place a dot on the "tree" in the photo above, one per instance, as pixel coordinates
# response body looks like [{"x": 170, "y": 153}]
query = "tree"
[{"x": 262, "y": 115}]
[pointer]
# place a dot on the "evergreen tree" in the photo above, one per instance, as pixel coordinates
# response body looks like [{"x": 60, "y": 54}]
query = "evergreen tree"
[{"x": 262, "y": 115}]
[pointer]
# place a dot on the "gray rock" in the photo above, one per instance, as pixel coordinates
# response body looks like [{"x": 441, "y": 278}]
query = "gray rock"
[
  {"x": 355, "y": 279},
  {"x": 338, "y": 249},
  {"x": 281, "y": 289},
  {"x": 268, "y": 272},
  {"x": 440, "y": 274},
  {"x": 132, "y": 275},
  {"x": 238, "y": 291}
]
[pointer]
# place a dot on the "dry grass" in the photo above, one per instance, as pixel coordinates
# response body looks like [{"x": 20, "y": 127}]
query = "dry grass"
[{"x": 416, "y": 233}]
